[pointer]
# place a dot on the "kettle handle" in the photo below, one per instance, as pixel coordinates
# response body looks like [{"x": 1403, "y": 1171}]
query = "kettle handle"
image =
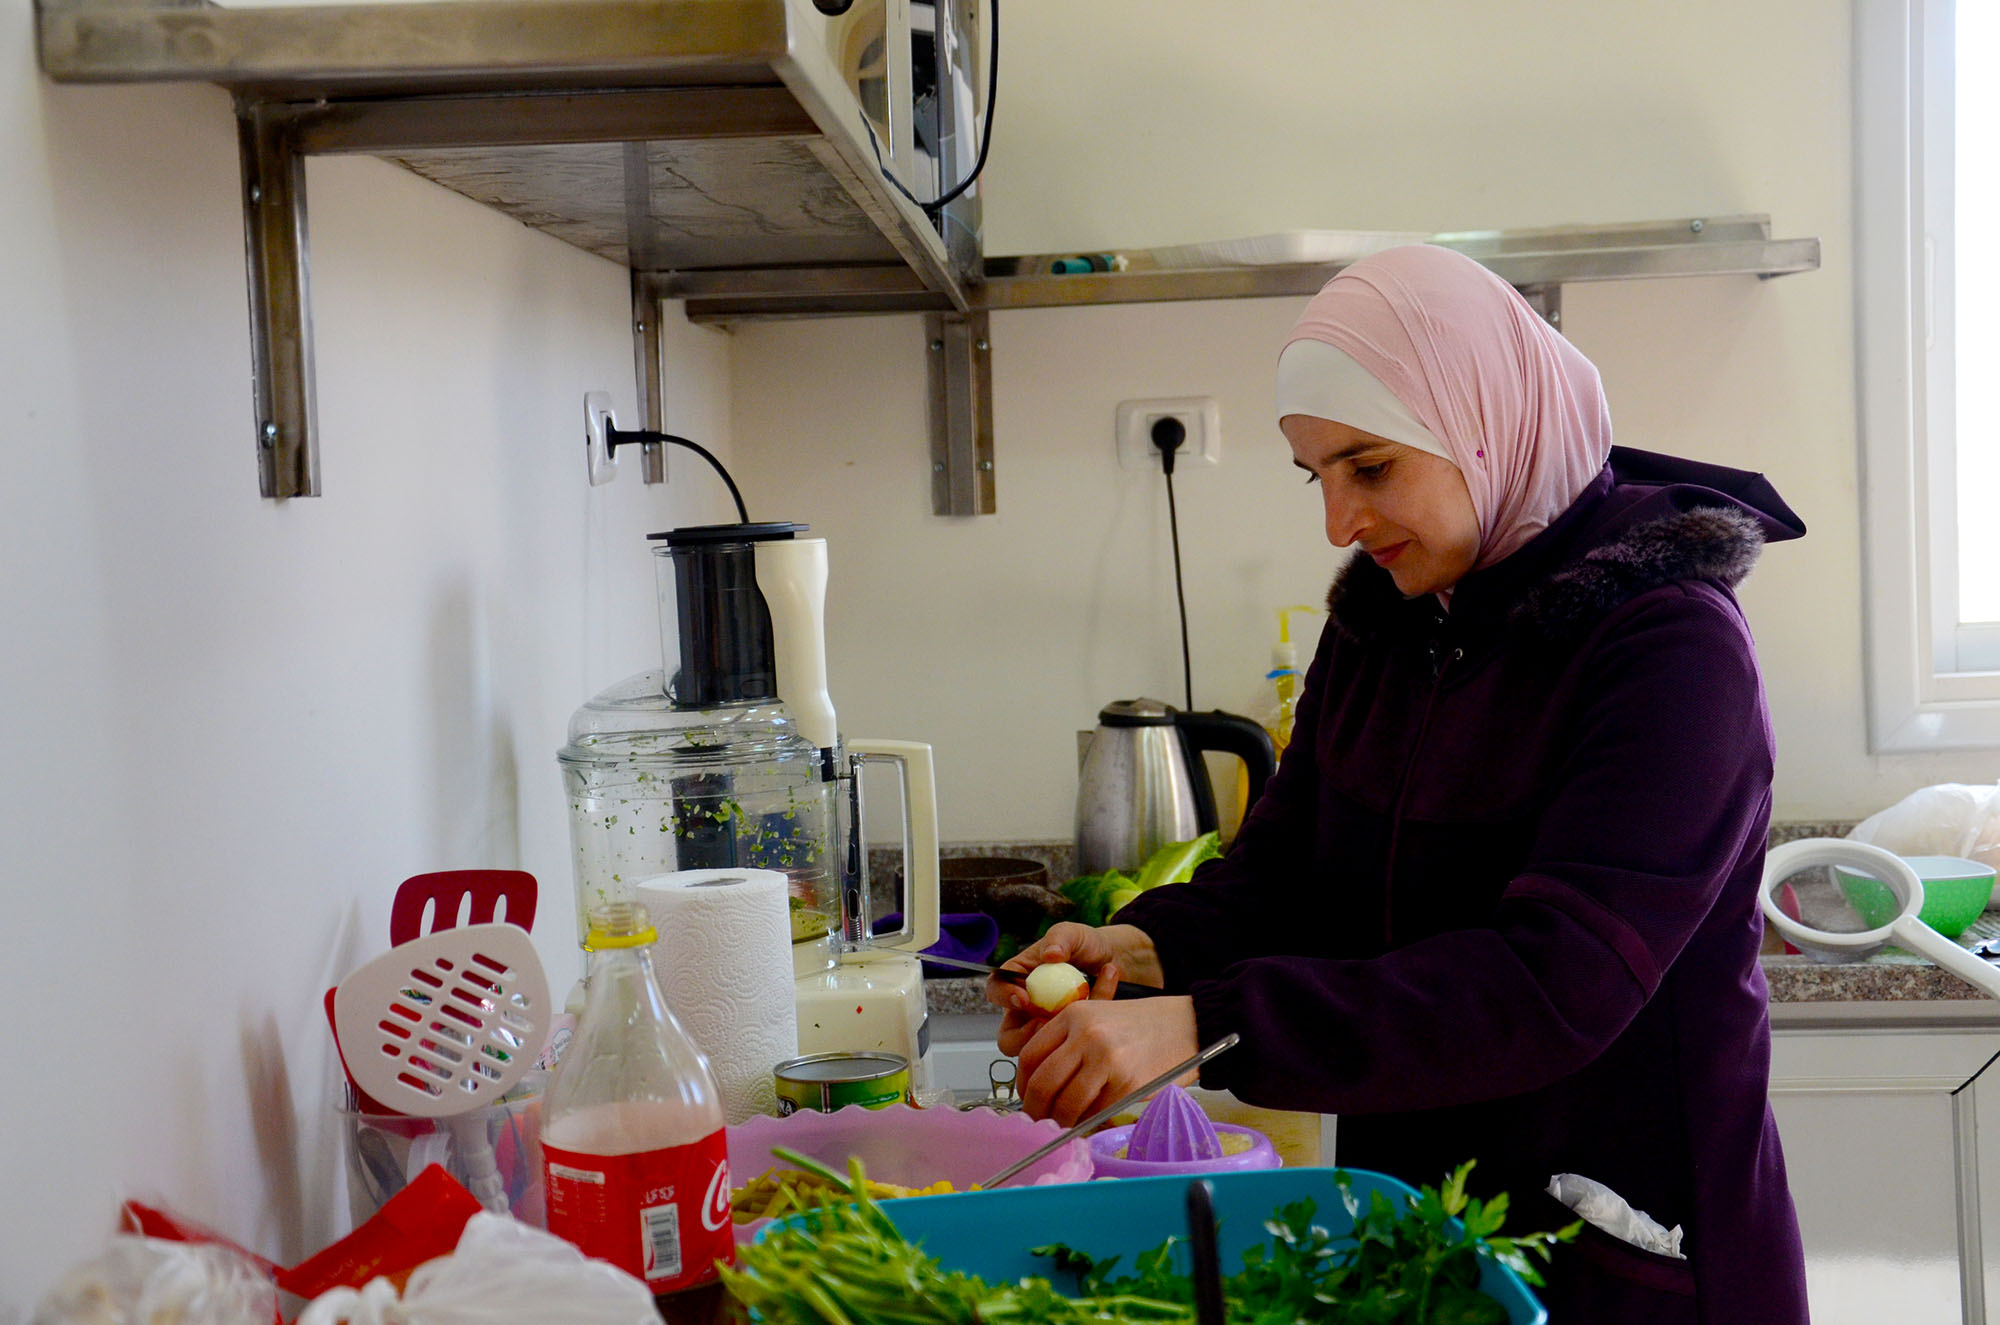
[{"x": 1228, "y": 733}]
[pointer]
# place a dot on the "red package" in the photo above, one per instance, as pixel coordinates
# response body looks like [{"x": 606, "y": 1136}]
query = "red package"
[{"x": 418, "y": 1224}]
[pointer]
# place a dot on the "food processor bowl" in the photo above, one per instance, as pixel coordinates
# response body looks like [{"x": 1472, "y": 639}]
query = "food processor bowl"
[{"x": 654, "y": 788}]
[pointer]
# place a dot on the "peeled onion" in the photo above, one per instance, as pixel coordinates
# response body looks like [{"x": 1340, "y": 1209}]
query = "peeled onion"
[{"x": 1053, "y": 986}]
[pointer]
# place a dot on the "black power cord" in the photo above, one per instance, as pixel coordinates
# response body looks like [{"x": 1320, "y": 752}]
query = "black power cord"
[
  {"x": 615, "y": 437},
  {"x": 1168, "y": 434},
  {"x": 938, "y": 204}
]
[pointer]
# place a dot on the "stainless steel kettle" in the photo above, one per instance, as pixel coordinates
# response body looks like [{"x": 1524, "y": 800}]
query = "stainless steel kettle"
[{"x": 1143, "y": 784}]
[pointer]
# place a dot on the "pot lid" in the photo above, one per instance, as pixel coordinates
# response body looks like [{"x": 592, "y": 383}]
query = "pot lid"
[
  {"x": 699, "y": 534},
  {"x": 1137, "y": 713}
]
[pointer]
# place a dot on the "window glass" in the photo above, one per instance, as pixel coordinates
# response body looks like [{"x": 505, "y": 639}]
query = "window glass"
[{"x": 1976, "y": 333}]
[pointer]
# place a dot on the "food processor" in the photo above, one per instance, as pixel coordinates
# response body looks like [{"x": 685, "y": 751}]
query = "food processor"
[{"x": 730, "y": 757}]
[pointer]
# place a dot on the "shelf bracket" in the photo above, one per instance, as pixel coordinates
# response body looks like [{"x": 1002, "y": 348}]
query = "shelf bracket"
[
  {"x": 960, "y": 360},
  {"x": 1547, "y": 300},
  {"x": 274, "y": 245},
  {"x": 647, "y": 372}
]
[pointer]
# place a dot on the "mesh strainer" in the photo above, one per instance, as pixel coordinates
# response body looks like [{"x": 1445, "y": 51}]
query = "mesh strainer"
[{"x": 1835, "y": 933}]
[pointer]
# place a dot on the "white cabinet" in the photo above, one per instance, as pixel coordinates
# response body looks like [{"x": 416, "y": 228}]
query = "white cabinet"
[{"x": 1881, "y": 1108}]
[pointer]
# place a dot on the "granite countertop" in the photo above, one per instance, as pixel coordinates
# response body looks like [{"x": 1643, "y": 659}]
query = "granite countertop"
[{"x": 1888, "y": 977}]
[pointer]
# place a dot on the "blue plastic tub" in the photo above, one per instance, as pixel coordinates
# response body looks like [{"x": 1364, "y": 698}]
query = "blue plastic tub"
[{"x": 989, "y": 1233}]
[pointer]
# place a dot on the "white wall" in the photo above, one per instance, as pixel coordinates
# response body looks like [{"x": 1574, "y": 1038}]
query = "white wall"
[
  {"x": 1129, "y": 123},
  {"x": 229, "y": 726}
]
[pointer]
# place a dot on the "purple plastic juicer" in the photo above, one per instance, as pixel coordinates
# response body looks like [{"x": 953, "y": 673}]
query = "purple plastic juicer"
[{"x": 1173, "y": 1136}]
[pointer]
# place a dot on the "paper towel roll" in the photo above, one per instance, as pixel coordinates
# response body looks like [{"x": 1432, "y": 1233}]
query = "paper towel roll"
[{"x": 724, "y": 963}]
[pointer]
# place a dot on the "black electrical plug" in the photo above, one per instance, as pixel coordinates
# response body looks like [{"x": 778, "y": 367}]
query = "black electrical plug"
[{"x": 1168, "y": 434}]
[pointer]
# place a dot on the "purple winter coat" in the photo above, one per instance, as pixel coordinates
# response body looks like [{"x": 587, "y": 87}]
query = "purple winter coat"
[{"x": 1500, "y": 900}]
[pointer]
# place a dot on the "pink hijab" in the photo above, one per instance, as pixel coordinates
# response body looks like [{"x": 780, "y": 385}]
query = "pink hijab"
[{"x": 1519, "y": 410}]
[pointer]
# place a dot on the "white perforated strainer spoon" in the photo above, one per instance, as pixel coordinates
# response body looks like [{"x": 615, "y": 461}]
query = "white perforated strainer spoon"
[
  {"x": 1905, "y": 930},
  {"x": 444, "y": 1025}
]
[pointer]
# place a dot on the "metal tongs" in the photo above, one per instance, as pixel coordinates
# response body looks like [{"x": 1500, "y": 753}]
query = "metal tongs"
[{"x": 1173, "y": 1073}]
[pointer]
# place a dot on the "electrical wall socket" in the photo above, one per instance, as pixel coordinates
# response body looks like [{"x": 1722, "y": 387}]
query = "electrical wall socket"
[
  {"x": 597, "y": 417},
  {"x": 1200, "y": 415}
]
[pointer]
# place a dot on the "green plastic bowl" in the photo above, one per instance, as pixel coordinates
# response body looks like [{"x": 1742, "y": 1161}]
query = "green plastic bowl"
[{"x": 1955, "y": 892}]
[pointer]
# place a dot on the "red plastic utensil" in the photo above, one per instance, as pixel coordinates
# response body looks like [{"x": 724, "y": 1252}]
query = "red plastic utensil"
[
  {"x": 1788, "y": 902},
  {"x": 363, "y": 1101},
  {"x": 448, "y": 891}
]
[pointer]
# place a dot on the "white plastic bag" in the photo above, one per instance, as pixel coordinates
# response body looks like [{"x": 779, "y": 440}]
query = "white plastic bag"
[
  {"x": 1597, "y": 1204},
  {"x": 1949, "y": 819},
  {"x": 151, "y": 1281},
  {"x": 503, "y": 1273}
]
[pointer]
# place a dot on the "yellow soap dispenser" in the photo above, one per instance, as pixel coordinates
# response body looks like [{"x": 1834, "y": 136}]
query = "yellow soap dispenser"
[
  {"x": 1281, "y": 702},
  {"x": 1275, "y": 710}
]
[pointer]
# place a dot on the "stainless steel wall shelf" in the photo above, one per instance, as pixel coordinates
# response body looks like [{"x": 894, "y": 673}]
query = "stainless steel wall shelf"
[
  {"x": 717, "y": 149},
  {"x": 1539, "y": 260},
  {"x": 699, "y": 137}
]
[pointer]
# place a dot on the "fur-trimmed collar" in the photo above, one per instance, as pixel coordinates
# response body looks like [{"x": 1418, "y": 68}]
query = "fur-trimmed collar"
[{"x": 1719, "y": 543}]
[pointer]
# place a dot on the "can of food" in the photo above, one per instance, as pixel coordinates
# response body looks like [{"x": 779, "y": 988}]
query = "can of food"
[{"x": 826, "y": 1082}]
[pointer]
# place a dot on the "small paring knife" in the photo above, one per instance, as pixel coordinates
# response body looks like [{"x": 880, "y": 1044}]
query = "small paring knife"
[{"x": 1126, "y": 989}]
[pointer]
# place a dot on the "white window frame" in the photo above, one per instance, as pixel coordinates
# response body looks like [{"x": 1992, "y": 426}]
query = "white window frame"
[{"x": 1923, "y": 694}]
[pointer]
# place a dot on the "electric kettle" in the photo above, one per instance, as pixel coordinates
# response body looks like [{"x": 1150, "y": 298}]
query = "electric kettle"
[{"x": 1143, "y": 784}]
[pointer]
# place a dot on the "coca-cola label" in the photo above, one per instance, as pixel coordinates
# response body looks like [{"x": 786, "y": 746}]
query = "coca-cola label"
[{"x": 661, "y": 1215}]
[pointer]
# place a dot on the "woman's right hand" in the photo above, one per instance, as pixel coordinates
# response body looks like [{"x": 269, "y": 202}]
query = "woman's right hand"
[{"x": 1105, "y": 954}]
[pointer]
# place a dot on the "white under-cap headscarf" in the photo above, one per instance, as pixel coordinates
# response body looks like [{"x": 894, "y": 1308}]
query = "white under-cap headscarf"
[{"x": 1324, "y": 381}]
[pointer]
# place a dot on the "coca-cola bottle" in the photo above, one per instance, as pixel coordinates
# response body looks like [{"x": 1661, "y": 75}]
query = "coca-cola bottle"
[{"x": 632, "y": 1134}]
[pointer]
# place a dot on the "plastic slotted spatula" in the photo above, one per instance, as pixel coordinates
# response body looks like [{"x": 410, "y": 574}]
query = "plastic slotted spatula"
[
  {"x": 479, "y": 892},
  {"x": 445, "y": 1025},
  {"x": 426, "y": 903}
]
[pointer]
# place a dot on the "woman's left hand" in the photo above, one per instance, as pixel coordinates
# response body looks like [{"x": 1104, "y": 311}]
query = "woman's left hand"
[{"x": 1096, "y": 1050}]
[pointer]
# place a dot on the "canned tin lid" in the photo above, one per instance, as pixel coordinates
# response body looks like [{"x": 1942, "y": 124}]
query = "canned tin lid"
[{"x": 841, "y": 1067}]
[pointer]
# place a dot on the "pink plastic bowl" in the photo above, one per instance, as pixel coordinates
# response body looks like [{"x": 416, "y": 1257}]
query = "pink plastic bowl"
[
  {"x": 1105, "y": 1162},
  {"x": 906, "y": 1146}
]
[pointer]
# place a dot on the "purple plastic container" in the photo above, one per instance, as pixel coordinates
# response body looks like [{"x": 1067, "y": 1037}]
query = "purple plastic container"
[{"x": 906, "y": 1146}]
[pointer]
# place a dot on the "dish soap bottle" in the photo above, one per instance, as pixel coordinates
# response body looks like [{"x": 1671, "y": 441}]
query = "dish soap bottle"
[
  {"x": 1281, "y": 702},
  {"x": 633, "y": 1143},
  {"x": 1277, "y": 701}
]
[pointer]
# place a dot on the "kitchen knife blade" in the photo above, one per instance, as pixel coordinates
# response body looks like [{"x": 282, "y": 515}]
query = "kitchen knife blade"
[{"x": 1125, "y": 988}]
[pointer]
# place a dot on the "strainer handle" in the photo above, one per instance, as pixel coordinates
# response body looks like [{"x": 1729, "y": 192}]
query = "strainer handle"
[{"x": 1914, "y": 935}]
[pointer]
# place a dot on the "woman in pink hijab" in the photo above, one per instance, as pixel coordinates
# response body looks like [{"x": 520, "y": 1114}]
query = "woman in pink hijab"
[{"x": 1500, "y": 900}]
